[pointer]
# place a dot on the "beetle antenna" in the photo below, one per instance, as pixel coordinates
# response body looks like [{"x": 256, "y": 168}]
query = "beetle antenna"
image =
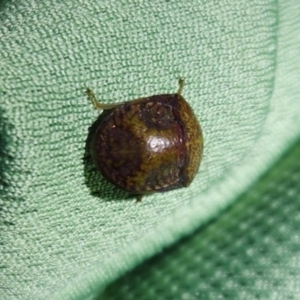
[
  {"x": 181, "y": 85},
  {"x": 97, "y": 104}
]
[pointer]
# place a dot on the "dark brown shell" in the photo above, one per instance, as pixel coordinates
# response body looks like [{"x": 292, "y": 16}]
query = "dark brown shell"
[{"x": 147, "y": 145}]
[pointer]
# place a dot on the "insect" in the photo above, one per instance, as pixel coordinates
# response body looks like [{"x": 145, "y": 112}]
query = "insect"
[{"x": 147, "y": 145}]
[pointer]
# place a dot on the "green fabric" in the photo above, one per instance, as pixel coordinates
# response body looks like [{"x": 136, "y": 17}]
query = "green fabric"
[
  {"x": 251, "y": 251},
  {"x": 65, "y": 232}
]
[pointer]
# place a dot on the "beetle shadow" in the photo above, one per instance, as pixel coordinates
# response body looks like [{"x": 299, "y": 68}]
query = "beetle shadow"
[
  {"x": 3, "y": 4},
  {"x": 99, "y": 186},
  {"x": 5, "y": 158}
]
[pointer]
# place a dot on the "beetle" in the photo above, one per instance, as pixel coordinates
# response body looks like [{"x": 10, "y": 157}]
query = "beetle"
[{"x": 151, "y": 144}]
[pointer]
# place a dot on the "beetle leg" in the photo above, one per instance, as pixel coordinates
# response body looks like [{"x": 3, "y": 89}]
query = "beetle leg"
[
  {"x": 181, "y": 85},
  {"x": 139, "y": 198},
  {"x": 97, "y": 104}
]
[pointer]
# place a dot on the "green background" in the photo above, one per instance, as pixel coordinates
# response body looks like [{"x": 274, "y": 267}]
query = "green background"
[
  {"x": 251, "y": 251},
  {"x": 68, "y": 234}
]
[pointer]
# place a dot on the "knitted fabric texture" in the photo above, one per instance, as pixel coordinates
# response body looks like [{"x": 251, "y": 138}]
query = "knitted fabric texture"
[
  {"x": 251, "y": 251},
  {"x": 65, "y": 232}
]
